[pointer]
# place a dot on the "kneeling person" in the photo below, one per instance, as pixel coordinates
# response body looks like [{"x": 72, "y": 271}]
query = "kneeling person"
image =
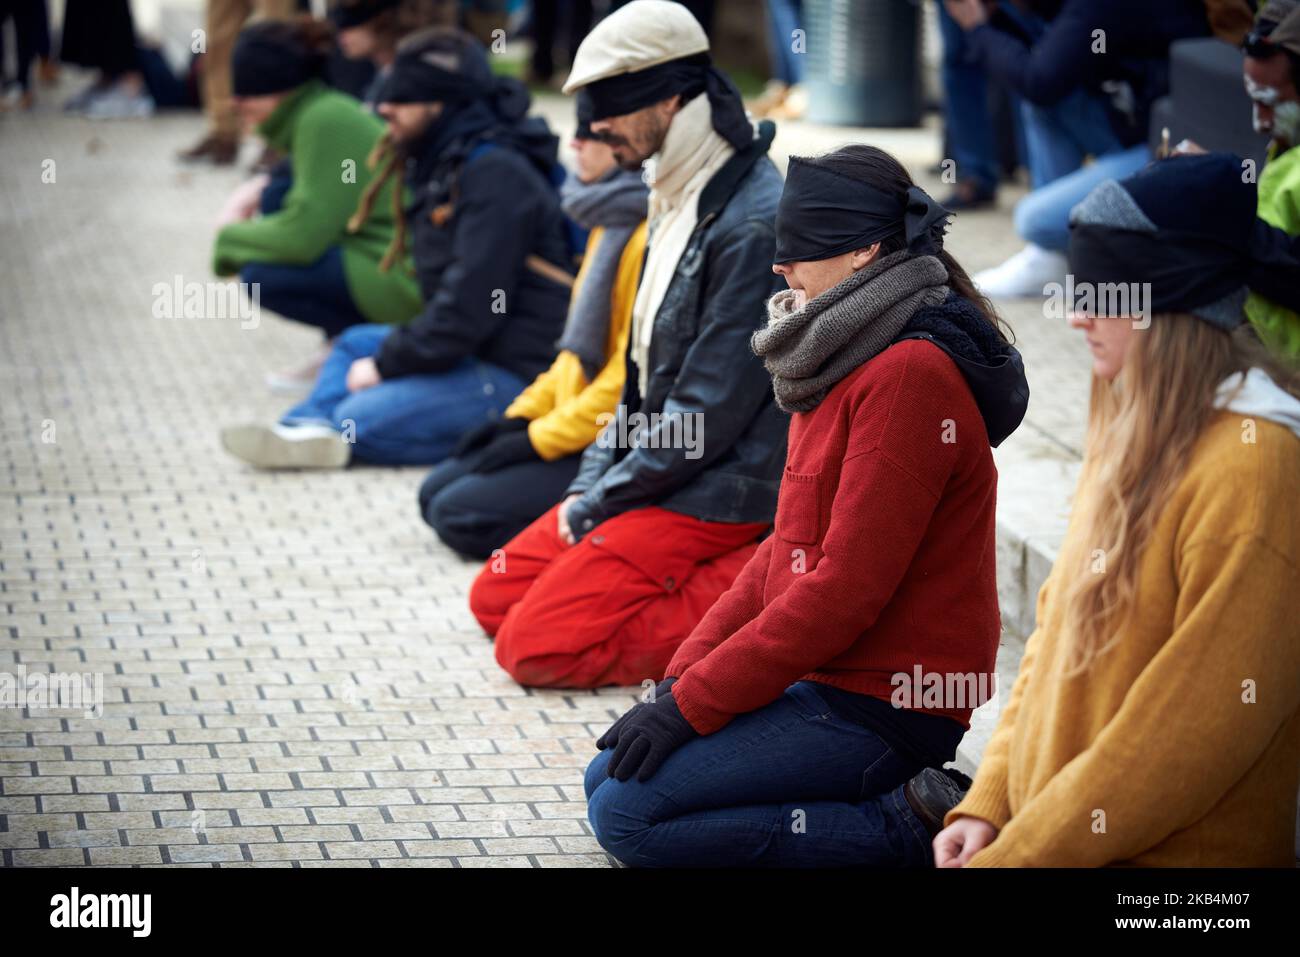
[{"x": 507, "y": 472}]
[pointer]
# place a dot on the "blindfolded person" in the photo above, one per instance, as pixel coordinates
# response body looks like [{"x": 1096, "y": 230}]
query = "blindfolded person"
[
  {"x": 1156, "y": 717},
  {"x": 490, "y": 249},
  {"x": 781, "y": 734}
]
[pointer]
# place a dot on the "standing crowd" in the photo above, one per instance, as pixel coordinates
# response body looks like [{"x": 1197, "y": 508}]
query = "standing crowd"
[{"x": 728, "y": 435}]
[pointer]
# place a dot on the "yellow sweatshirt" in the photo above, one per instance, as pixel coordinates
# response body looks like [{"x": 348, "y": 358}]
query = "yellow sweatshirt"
[
  {"x": 561, "y": 403},
  {"x": 1180, "y": 745}
]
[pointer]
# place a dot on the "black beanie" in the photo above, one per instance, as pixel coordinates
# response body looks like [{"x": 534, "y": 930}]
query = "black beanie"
[
  {"x": 345, "y": 16},
  {"x": 1186, "y": 226},
  {"x": 270, "y": 58}
]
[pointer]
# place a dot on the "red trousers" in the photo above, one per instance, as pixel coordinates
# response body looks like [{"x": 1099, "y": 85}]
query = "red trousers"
[{"x": 613, "y": 608}]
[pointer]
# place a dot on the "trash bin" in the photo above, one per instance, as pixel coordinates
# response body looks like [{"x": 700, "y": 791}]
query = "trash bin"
[{"x": 864, "y": 63}]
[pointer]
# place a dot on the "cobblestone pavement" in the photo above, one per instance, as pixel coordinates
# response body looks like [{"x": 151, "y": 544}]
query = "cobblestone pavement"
[{"x": 290, "y": 673}]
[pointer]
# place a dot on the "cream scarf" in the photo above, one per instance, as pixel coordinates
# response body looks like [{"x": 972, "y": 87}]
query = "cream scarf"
[{"x": 692, "y": 152}]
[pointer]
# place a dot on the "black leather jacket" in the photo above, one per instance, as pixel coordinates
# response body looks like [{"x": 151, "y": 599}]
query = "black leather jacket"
[{"x": 701, "y": 362}]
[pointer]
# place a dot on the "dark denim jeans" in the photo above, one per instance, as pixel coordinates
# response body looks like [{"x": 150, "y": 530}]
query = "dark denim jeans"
[
  {"x": 788, "y": 785},
  {"x": 317, "y": 293},
  {"x": 411, "y": 420},
  {"x": 476, "y": 512}
]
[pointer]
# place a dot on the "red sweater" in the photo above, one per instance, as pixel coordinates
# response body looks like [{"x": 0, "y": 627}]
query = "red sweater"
[{"x": 882, "y": 558}]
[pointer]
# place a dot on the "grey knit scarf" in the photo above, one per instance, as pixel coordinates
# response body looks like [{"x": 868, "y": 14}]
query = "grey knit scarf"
[
  {"x": 809, "y": 350},
  {"x": 617, "y": 201}
]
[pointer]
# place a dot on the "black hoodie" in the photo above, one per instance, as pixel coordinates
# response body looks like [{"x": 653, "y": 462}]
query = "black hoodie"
[{"x": 483, "y": 206}]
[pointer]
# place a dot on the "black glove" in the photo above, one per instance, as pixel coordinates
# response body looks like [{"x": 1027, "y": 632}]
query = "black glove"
[
  {"x": 506, "y": 448},
  {"x": 610, "y": 738},
  {"x": 482, "y": 434},
  {"x": 650, "y": 733}
]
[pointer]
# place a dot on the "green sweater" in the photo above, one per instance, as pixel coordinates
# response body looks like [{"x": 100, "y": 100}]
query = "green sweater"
[
  {"x": 328, "y": 137},
  {"x": 1279, "y": 205}
]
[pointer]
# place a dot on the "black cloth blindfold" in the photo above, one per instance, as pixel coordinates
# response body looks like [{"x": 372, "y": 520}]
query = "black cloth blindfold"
[
  {"x": 344, "y": 17},
  {"x": 260, "y": 66},
  {"x": 629, "y": 92},
  {"x": 413, "y": 80},
  {"x": 1185, "y": 270},
  {"x": 823, "y": 214}
]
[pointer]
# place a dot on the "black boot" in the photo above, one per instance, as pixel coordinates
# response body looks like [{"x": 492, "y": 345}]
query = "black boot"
[{"x": 933, "y": 793}]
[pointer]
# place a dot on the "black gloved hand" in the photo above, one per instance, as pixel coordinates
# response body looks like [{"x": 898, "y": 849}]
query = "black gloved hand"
[
  {"x": 650, "y": 733},
  {"x": 481, "y": 435},
  {"x": 506, "y": 448},
  {"x": 610, "y": 738}
]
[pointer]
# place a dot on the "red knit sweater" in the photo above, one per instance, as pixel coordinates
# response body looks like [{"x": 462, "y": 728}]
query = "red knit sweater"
[{"x": 882, "y": 558}]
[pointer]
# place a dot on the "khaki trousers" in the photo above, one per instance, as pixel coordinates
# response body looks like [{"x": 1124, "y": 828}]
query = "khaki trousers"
[{"x": 225, "y": 19}]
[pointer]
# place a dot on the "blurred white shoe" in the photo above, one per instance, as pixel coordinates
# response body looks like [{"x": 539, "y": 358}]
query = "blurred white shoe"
[
  {"x": 120, "y": 104},
  {"x": 1023, "y": 275},
  {"x": 287, "y": 446}
]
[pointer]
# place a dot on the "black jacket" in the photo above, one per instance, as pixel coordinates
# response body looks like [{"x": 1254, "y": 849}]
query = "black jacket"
[
  {"x": 1108, "y": 46},
  {"x": 473, "y": 222},
  {"x": 701, "y": 362}
]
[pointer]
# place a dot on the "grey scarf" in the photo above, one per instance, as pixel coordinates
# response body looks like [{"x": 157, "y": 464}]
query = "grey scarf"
[
  {"x": 618, "y": 202},
  {"x": 809, "y": 350}
]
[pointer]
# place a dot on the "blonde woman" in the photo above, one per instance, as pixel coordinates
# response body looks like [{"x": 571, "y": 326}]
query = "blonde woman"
[{"x": 1156, "y": 718}]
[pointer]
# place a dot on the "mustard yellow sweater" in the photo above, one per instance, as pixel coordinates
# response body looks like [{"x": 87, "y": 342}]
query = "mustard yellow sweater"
[
  {"x": 561, "y": 403},
  {"x": 1179, "y": 746}
]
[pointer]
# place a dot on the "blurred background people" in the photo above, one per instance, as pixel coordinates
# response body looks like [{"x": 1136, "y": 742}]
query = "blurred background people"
[
  {"x": 307, "y": 264},
  {"x": 1087, "y": 72},
  {"x": 100, "y": 35},
  {"x": 31, "y": 23},
  {"x": 492, "y": 253},
  {"x": 371, "y": 30},
  {"x": 220, "y": 143},
  {"x": 1272, "y": 72}
]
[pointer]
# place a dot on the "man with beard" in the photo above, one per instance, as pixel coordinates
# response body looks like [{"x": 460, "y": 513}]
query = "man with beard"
[{"x": 603, "y": 587}]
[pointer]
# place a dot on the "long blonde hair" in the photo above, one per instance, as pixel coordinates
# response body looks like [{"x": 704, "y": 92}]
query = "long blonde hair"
[{"x": 1141, "y": 431}]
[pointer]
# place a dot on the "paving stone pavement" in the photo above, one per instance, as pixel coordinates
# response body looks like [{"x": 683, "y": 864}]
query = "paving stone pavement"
[{"x": 290, "y": 675}]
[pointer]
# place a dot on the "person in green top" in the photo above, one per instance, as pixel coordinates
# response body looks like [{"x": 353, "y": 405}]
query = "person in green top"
[
  {"x": 1272, "y": 67},
  {"x": 306, "y": 262}
]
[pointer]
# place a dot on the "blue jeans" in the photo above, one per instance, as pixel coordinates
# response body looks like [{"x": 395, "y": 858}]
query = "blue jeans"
[
  {"x": 788, "y": 785},
  {"x": 411, "y": 420},
  {"x": 1043, "y": 216},
  {"x": 966, "y": 108},
  {"x": 783, "y": 18}
]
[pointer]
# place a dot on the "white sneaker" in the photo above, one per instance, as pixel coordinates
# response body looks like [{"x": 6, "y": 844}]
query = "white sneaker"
[
  {"x": 119, "y": 104},
  {"x": 1023, "y": 275},
  {"x": 287, "y": 446}
]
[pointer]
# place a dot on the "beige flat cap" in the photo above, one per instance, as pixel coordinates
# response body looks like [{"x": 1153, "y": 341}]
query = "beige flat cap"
[{"x": 640, "y": 35}]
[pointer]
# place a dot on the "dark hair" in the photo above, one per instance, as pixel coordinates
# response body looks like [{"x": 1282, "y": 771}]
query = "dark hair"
[
  {"x": 876, "y": 168},
  {"x": 392, "y": 25},
  {"x": 1258, "y": 46},
  {"x": 302, "y": 33}
]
